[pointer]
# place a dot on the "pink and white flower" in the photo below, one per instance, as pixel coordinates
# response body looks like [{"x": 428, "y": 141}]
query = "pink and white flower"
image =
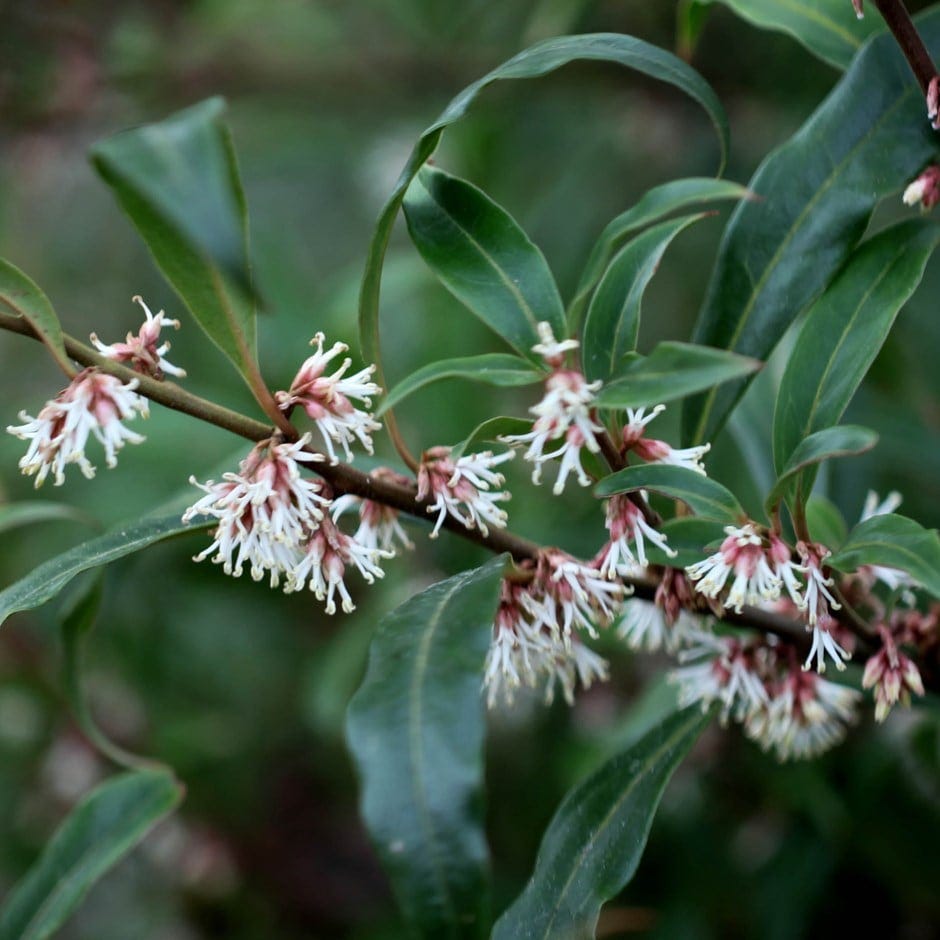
[
  {"x": 466, "y": 488},
  {"x": 818, "y": 599},
  {"x": 94, "y": 404},
  {"x": 646, "y": 626},
  {"x": 327, "y": 399},
  {"x": 892, "y": 675},
  {"x": 654, "y": 451},
  {"x": 825, "y": 644},
  {"x": 629, "y": 532},
  {"x": 379, "y": 525},
  {"x": 142, "y": 352}
]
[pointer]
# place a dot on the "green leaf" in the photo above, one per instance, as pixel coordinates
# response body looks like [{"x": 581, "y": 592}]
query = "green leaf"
[
  {"x": 491, "y": 430},
  {"x": 691, "y": 16},
  {"x": 15, "y": 515},
  {"x": 540, "y": 59},
  {"x": 492, "y": 369},
  {"x": 416, "y": 728},
  {"x": 672, "y": 371},
  {"x": 46, "y": 581},
  {"x": 612, "y": 324},
  {"x": 482, "y": 256},
  {"x": 22, "y": 296},
  {"x": 704, "y": 496},
  {"x": 825, "y": 522},
  {"x": 689, "y": 537},
  {"x": 844, "y": 331},
  {"x": 828, "y": 28},
  {"x": 594, "y": 843},
  {"x": 178, "y": 181},
  {"x": 818, "y": 192},
  {"x": 847, "y": 440},
  {"x": 893, "y": 541},
  {"x": 653, "y": 206},
  {"x": 99, "y": 832}
]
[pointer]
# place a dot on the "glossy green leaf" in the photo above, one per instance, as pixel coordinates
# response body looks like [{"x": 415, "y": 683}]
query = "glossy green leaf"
[
  {"x": 540, "y": 59},
  {"x": 825, "y": 523},
  {"x": 594, "y": 843},
  {"x": 97, "y": 834},
  {"x": 654, "y": 205},
  {"x": 672, "y": 371},
  {"x": 22, "y": 296},
  {"x": 704, "y": 496},
  {"x": 47, "y": 580},
  {"x": 29, "y": 512},
  {"x": 689, "y": 537},
  {"x": 178, "y": 181},
  {"x": 893, "y": 541},
  {"x": 847, "y": 440},
  {"x": 817, "y": 194},
  {"x": 612, "y": 324},
  {"x": 844, "y": 331},
  {"x": 415, "y": 729},
  {"x": 490, "y": 431},
  {"x": 828, "y": 28},
  {"x": 482, "y": 256},
  {"x": 491, "y": 369}
]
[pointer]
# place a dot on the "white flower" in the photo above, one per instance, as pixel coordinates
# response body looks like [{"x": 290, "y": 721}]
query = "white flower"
[
  {"x": 379, "y": 525},
  {"x": 825, "y": 644},
  {"x": 654, "y": 451},
  {"x": 893, "y": 578},
  {"x": 463, "y": 488},
  {"x": 645, "y": 626},
  {"x": 893, "y": 676},
  {"x": 265, "y": 512},
  {"x": 577, "y": 665},
  {"x": 817, "y": 599},
  {"x": 326, "y": 399},
  {"x": 141, "y": 352},
  {"x": 94, "y": 404},
  {"x": 551, "y": 350},
  {"x": 628, "y": 533}
]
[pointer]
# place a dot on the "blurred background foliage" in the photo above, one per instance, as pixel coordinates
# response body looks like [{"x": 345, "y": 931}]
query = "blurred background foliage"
[{"x": 243, "y": 690}]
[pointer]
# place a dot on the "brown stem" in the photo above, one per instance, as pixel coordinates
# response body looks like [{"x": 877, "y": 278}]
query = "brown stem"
[{"x": 905, "y": 32}]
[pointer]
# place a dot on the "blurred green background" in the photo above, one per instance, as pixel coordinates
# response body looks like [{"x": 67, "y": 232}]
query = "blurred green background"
[{"x": 243, "y": 690}]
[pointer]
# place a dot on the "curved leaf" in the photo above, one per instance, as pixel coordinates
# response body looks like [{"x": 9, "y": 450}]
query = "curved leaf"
[
  {"x": 672, "y": 371},
  {"x": 99, "y": 832},
  {"x": 178, "y": 181},
  {"x": 540, "y": 59},
  {"x": 24, "y": 298},
  {"x": 844, "y": 331},
  {"x": 818, "y": 191},
  {"x": 847, "y": 440},
  {"x": 594, "y": 843},
  {"x": 482, "y": 256},
  {"x": 654, "y": 205},
  {"x": 415, "y": 728},
  {"x": 612, "y": 324},
  {"x": 893, "y": 541},
  {"x": 491, "y": 368},
  {"x": 828, "y": 28},
  {"x": 704, "y": 496}
]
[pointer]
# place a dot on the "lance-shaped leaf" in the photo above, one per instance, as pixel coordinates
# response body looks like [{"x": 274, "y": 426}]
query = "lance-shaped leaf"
[
  {"x": 704, "y": 496},
  {"x": 415, "y": 728},
  {"x": 540, "y": 59},
  {"x": 893, "y": 541},
  {"x": 828, "y": 28},
  {"x": 817, "y": 194},
  {"x": 594, "y": 843},
  {"x": 653, "y": 206},
  {"x": 612, "y": 324},
  {"x": 178, "y": 181},
  {"x": 46, "y": 581},
  {"x": 672, "y": 371},
  {"x": 482, "y": 256},
  {"x": 847, "y": 440},
  {"x": 844, "y": 331},
  {"x": 491, "y": 369},
  {"x": 97, "y": 834}
]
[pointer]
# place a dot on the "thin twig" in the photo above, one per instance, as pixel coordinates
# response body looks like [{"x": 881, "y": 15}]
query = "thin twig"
[{"x": 905, "y": 32}]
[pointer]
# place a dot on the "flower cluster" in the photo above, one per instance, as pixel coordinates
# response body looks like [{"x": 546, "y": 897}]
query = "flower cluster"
[
  {"x": 144, "y": 353},
  {"x": 892, "y": 675},
  {"x": 94, "y": 405},
  {"x": 625, "y": 550},
  {"x": 655, "y": 451},
  {"x": 379, "y": 525}
]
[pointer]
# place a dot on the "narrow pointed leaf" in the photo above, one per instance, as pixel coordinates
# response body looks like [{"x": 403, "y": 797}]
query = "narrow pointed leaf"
[
  {"x": 20, "y": 295},
  {"x": 490, "y": 431},
  {"x": 817, "y": 194},
  {"x": 893, "y": 541},
  {"x": 594, "y": 843},
  {"x": 704, "y": 496},
  {"x": 178, "y": 181},
  {"x": 612, "y": 324},
  {"x": 654, "y": 205},
  {"x": 538, "y": 60},
  {"x": 844, "y": 331},
  {"x": 828, "y": 28},
  {"x": 672, "y": 371},
  {"x": 482, "y": 256},
  {"x": 416, "y": 728},
  {"x": 847, "y": 440},
  {"x": 99, "y": 832}
]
